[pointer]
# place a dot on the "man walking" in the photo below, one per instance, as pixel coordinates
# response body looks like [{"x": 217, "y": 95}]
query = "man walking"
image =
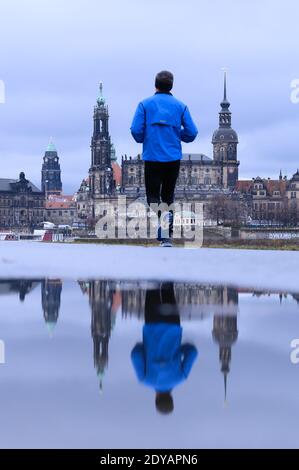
[{"x": 161, "y": 123}]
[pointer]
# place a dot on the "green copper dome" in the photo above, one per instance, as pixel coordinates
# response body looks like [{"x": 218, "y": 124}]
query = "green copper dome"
[
  {"x": 51, "y": 147},
  {"x": 50, "y": 327}
]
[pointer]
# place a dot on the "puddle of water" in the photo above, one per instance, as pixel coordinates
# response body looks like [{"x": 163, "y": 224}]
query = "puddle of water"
[{"x": 108, "y": 364}]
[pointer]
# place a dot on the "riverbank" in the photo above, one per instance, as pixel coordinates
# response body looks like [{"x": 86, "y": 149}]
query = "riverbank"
[{"x": 289, "y": 245}]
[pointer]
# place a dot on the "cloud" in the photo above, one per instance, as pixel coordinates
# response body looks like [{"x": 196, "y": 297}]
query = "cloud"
[{"x": 53, "y": 55}]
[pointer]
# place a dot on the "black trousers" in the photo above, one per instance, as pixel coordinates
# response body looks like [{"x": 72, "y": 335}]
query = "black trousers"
[
  {"x": 160, "y": 305},
  {"x": 160, "y": 180}
]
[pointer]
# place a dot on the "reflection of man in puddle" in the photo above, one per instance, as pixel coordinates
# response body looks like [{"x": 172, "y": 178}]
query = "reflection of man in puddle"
[{"x": 161, "y": 361}]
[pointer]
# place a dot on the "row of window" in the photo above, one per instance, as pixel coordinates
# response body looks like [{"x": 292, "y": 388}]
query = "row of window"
[
  {"x": 275, "y": 193},
  {"x": 135, "y": 180},
  {"x": 207, "y": 180},
  {"x": 9, "y": 212},
  {"x": 183, "y": 169},
  {"x": 195, "y": 170},
  {"x": 265, "y": 205},
  {"x": 60, "y": 213},
  {"x": 23, "y": 202}
]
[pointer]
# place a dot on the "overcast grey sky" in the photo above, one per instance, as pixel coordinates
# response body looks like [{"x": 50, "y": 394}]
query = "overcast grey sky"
[{"x": 54, "y": 53}]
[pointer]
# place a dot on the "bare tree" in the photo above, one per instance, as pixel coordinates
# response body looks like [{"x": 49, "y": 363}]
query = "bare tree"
[{"x": 228, "y": 209}]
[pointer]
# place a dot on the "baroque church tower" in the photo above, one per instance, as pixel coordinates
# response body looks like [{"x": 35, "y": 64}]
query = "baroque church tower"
[
  {"x": 225, "y": 141},
  {"x": 51, "y": 173},
  {"x": 100, "y": 172},
  {"x": 101, "y": 302}
]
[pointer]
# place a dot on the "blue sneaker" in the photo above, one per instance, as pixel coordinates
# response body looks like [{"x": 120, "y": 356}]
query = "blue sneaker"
[
  {"x": 166, "y": 233},
  {"x": 159, "y": 234},
  {"x": 166, "y": 243}
]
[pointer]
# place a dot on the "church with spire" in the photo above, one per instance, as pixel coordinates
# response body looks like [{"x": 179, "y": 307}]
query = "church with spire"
[
  {"x": 200, "y": 178},
  {"x": 212, "y": 180},
  {"x": 101, "y": 180},
  {"x": 225, "y": 141}
]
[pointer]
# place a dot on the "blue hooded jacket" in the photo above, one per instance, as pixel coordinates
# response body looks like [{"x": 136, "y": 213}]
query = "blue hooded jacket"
[
  {"x": 161, "y": 122},
  {"x": 161, "y": 361}
]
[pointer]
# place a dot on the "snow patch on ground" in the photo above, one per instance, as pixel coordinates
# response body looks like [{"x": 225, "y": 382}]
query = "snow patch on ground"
[{"x": 245, "y": 268}]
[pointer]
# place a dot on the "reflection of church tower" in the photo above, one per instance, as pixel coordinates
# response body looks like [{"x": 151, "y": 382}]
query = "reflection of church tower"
[
  {"x": 22, "y": 287},
  {"x": 101, "y": 301},
  {"x": 225, "y": 333},
  {"x": 51, "y": 294},
  {"x": 225, "y": 141}
]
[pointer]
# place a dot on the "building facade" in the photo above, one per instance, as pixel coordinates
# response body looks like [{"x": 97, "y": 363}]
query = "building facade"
[
  {"x": 83, "y": 202},
  {"x": 292, "y": 197},
  {"x": 272, "y": 201},
  {"x": 21, "y": 204},
  {"x": 61, "y": 210}
]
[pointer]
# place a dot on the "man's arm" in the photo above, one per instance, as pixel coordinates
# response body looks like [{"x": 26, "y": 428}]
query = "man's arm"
[
  {"x": 189, "y": 131},
  {"x": 138, "y": 124},
  {"x": 137, "y": 357},
  {"x": 189, "y": 353}
]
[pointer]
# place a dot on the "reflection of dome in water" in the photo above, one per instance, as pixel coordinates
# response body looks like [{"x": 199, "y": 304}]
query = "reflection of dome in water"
[
  {"x": 50, "y": 326},
  {"x": 100, "y": 375},
  {"x": 225, "y": 333}
]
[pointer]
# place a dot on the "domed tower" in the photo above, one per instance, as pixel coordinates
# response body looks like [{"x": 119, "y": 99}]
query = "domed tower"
[
  {"x": 51, "y": 173},
  {"x": 100, "y": 173},
  {"x": 225, "y": 333},
  {"x": 225, "y": 141}
]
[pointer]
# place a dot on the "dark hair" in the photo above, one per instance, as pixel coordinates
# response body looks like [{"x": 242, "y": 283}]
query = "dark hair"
[
  {"x": 164, "y": 402},
  {"x": 164, "y": 81}
]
